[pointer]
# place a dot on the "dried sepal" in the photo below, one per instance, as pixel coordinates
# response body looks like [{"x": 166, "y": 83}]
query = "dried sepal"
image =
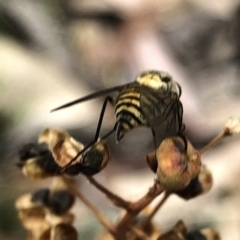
[
  {"x": 63, "y": 147},
  {"x": 232, "y": 125},
  {"x": 178, "y": 232},
  {"x": 37, "y": 162},
  {"x": 52, "y": 136},
  {"x": 66, "y": 218},
  {"x": 203, "y": 234},
  {"x": 198, "y": 186},
  {"x": 25, "y": 202},
  {"x": 60, "y": 232},
  {"x": 32, "y": 216},
  {"x": 66, "y": 149},
  {"x": 177, "y": 163},
  {"x": 92, "y": 161},
  {"x": 63, "y": 232}
]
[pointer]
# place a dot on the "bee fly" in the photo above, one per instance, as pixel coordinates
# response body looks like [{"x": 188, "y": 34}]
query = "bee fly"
[{"x": 152, "y": 100}]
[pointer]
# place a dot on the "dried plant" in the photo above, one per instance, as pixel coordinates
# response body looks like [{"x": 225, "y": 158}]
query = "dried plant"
[
  {"x": 46, "y": 213},
  {"x": 152, "y": 100}
]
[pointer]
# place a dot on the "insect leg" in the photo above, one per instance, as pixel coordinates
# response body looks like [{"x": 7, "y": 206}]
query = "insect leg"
[{"x": 107, "y": 99}]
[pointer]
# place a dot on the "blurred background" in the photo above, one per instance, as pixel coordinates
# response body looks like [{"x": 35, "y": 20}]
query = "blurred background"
[{"x": 52, "y": 52}]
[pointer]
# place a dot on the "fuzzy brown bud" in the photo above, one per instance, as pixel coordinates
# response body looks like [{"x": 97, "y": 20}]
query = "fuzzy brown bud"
[{"x": 178, "y": 163}]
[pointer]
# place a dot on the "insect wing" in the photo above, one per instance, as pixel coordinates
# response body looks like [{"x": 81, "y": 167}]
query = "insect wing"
[
  {"x": 170, "y": 124},
  {"x": 92, "y": 96},
  {"x": 163, "y": 112}
]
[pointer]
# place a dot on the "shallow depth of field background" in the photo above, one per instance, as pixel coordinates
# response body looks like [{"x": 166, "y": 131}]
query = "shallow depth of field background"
[{"x": 52, "y": 52}]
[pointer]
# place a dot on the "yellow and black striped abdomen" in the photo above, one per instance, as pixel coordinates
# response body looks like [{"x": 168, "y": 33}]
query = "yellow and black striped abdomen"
[{"x": 128, "y": 111}]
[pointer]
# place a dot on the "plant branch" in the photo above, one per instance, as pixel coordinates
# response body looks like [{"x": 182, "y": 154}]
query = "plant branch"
[
  {"x": 157, "y": 207},
  {"x": 135, "y": 208},
  {"x": 99, "y": 215},
  {"x": 115, "y": 199},
  {"x": 216, "y": 140},
  {"x": 139, "y": 233}
]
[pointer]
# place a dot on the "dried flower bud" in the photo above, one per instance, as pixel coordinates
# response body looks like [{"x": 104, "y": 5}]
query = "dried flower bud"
[
  {"x": 32, "y": 215},
  {"x": 52, "y": 219},
  {"x": 36, "y": 161},
  {"x": 178, "y": 232},
  {"x": 57, "y": 199},
  {"x": 58, "y": 202},
  {"x": 203, "y": 234},
  {"x": 178, "y": 163},
  {"x": 233, "y": 125},
  {"x": 92, "y": 161},
  {"x": 199, "y": 185}
]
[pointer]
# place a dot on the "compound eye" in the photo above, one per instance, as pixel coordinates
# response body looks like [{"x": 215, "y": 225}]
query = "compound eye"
[{"x": 166, "y": 79}]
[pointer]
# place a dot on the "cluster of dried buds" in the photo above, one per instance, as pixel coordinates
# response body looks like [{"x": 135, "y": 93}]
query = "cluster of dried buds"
[
  {"x": 55, "y": 153},
  {"x": 176, "y": 163},
  {"x": 46, "y": 212}
]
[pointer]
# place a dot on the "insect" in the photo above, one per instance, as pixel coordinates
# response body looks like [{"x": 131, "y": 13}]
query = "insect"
[{"x": 152, "y": 100}]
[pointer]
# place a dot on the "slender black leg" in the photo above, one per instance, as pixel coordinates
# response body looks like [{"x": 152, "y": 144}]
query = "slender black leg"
[{"x": 107, "y": 99}]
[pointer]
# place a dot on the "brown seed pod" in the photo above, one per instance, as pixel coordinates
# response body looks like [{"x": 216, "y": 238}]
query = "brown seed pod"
[
  {"x": 57, "y": 199},
  {"x": 52, "y": 136},
  {"x": 177, "y": 163},
  {"x": 198, "y": 186}
]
